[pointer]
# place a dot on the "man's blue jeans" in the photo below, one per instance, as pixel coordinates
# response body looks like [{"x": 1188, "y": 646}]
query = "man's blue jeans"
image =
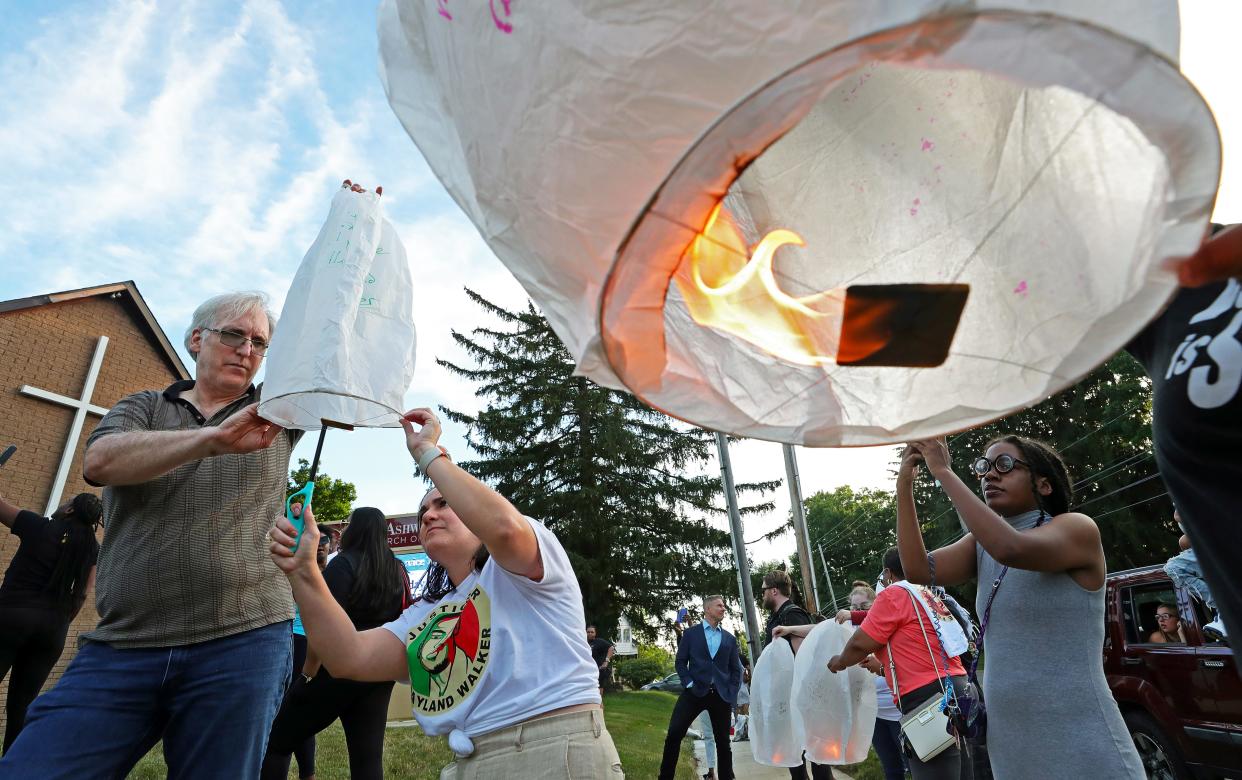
[{"x": 212, "y": 703}]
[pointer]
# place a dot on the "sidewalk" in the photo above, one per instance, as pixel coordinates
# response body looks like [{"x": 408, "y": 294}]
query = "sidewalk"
[{"x": 745, "y": 768}]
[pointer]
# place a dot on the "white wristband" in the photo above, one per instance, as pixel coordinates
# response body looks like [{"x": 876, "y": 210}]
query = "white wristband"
[{"x": 427, "y": 458}]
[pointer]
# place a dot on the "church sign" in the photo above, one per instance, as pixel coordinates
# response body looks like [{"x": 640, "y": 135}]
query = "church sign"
[{"x": 403, "y": 531}]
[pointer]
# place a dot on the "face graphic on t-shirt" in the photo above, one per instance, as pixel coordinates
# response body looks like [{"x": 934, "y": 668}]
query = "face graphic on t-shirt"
[{"x": 448, "y": 652}]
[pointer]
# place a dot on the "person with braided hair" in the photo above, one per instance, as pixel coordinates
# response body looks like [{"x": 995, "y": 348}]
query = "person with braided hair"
[
  {"x": 43, "y": 591},
  {"x": 1042, "y": 571}
]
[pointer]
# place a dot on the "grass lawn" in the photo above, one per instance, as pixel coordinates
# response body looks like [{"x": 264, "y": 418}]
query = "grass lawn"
[
  {"x": 867, "y": 770},
  {"x": 637, "y": 720}
]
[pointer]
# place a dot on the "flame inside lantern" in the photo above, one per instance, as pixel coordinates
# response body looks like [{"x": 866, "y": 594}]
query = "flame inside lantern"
[{"x": 735, "y": 290}]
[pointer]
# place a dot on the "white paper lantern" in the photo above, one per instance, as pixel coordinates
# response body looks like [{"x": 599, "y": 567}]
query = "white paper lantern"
[
  {"x": 343, "y": 349},
  {"x": 835, "y": 712},
  {"x": 983, "y": 190},
  {"x": 775, "y": 735}
]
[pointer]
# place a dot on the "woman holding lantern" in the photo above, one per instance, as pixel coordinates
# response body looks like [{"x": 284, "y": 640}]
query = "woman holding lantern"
[
  {"x": 1043, "y": 614},
  {"x": 492, "y": 647}
]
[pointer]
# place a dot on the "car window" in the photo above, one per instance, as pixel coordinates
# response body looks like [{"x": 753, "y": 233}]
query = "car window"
[{"x": 1141, "y": 607}]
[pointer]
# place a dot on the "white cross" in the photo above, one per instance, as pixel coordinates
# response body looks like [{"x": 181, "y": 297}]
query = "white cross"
[{"x": 81, "y": 407}]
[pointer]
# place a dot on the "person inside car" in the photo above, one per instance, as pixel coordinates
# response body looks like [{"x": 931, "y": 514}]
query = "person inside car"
[{"x": 1168, "y": 626}]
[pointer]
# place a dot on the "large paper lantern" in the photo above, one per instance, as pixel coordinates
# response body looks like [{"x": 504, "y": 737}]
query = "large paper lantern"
[
  {"x": 343, "y": 351},
  {"x": 775, "y": 735},
  {"x": 834, "y": 712},
  {"x": 842, "y": 223}
]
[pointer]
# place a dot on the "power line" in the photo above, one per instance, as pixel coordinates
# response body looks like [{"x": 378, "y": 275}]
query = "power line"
[
  {"x": 1147, "y": 478},
  {"x": 1136, "y": 503},
  {"x": 843, "y": 532},
  {"x": 1114, "y": 467}
]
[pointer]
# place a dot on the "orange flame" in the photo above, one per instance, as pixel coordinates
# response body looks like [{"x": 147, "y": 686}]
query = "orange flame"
[{"x": 736, "y": 291}]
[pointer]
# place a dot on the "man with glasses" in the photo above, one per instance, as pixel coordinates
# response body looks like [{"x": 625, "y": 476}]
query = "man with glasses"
[
  {"x": 775, "y": 593},
  {"x": 193, "y": 644}
]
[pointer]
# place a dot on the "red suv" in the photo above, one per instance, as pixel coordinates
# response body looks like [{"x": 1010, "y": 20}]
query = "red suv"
[{"x": 1181, "y": 700}]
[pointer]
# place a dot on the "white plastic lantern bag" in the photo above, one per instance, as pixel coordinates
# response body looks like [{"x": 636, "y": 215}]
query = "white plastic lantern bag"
[
  {"x": 343, "y": 350},
  {"x": 840, "y": 223},
  {"x": 775, "y": 737},
  {"x": 835, "y": 712}
]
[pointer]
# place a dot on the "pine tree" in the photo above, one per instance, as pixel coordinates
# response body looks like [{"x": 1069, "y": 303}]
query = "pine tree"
[{"x": 622, "y": 486}]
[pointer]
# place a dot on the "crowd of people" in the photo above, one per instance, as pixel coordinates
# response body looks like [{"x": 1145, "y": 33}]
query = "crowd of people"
[{"x": 201, "y": 654}]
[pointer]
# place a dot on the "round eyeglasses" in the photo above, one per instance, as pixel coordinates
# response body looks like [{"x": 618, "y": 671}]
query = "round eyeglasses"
[{"x": 1003, "y": 464}]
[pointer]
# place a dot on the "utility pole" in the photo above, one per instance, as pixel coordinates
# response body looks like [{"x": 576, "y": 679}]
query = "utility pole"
[
  {"x": 832, "y": 594},
  {"x": 810, "y": 588},
  {"x": 739, "y": 548}
]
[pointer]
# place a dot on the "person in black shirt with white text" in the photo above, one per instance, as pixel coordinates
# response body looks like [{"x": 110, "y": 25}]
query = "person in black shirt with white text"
[{"x": 1193, "y": 354}]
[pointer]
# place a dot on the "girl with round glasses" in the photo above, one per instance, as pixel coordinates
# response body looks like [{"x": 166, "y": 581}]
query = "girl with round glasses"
[{"x": 1043, "y": 682}]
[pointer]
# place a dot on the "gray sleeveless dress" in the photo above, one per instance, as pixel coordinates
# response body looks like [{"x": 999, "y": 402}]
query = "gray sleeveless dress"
[{"x": 1050, "y": 713}]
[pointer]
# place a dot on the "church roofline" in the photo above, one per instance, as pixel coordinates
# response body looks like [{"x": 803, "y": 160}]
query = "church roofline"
[{"x": 126, "y": 291}]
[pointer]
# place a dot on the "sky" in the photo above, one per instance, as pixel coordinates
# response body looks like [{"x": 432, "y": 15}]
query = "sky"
[{"x": 194, "y": 147}]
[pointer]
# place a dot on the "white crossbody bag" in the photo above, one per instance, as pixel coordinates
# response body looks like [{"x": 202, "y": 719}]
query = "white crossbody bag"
[{"x": 925, "y": 728}]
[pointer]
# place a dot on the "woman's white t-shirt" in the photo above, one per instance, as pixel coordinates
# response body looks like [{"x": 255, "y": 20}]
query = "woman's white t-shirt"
[{"x": 500, "y": 648}]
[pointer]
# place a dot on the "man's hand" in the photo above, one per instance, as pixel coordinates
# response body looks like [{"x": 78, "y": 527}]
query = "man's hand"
[
  {"x": 1219, "y": 258},
  {"x": 243, "y": 431},
  {"x": 284, "y": 536},
  {"x": 873, "y": 665},
  {"x": 843, "y": 616},
  {"x": 835, "y": 665}
]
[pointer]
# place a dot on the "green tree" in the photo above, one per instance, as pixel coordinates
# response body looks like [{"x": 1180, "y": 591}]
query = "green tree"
[
  {"x": 854, "y": 528},
  {"x": 334, "y": 498},
  {"x": 624, "y": 487},
  {"x": 1102, "y": 427},
  {"x": 651, "y": 663}
]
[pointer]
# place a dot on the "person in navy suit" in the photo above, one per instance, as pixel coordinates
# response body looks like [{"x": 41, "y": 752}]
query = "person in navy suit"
[{"x": 710, "y": 668}]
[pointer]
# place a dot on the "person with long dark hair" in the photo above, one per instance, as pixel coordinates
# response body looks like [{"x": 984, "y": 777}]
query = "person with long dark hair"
[
  {"x": 1042, "y": 574},
  {"x": 493, "y": 645},
  {"x": 372, "y": 587},
  {"x": 43, "y": 591}
]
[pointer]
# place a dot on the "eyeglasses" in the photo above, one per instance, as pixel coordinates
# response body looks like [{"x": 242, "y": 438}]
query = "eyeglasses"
[
  {"x": 1161, "y": 616},
  {"x": 1003, "y": 464},
  {"x": 231, "y": 338}
]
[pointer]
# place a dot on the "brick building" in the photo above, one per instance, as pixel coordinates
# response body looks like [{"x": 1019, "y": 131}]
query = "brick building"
[{"x": 65, "y": 358}]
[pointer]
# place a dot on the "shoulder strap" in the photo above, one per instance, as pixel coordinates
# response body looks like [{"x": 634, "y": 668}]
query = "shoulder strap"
[
  {"x": 918, "y": 615},
  {"x": 892, "y": 664},
  {"x": 987, "y": 610}
]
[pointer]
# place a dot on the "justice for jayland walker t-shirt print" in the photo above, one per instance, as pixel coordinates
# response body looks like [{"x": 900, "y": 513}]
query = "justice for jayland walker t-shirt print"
[{"x": 448, "y": 653}]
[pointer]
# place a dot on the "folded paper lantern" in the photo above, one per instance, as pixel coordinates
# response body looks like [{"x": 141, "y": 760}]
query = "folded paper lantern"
[
  {"x": 775, "y": 735},
  {"x": 834, "y": 712},
  {"x": 343, "y": 351},
  {"x": 829, "y": 224}
]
